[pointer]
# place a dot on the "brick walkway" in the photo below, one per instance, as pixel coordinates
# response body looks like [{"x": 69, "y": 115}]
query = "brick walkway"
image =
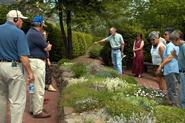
[
  {"x": 147, "y": 80},
  {"x": 51, "y": 106}
]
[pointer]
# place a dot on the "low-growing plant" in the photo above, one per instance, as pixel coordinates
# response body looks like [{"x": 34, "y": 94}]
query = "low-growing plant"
[
  {"x": 130, "y": 79},
  {"x": 76, "y": 92},
  {"x": 116, "y": 108},
  {"x": 79, "y": 69},
  {"x": 166, "y": 114},
  {"x": 86, "y": 104},
  {"x": 62, "y": 61}
]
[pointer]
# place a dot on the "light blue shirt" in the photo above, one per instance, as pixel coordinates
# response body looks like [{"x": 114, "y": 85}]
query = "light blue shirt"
[
  {"x": 172, "y": 66},
  {"x": 181, "y": 57},
  {"x": 115, "y": 41}
]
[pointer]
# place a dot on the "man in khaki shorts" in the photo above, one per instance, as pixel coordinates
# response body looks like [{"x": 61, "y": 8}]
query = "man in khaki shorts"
[{"x": 13, "y": 58}]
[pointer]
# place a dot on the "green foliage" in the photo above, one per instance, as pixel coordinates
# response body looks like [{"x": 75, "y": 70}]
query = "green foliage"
[
  {"x": 81, "y": 42},
  {"x": 107, "y": 72},
  {"x": 74, "y": 93},
  {"x": 94, "y": 51},
  {"x": 166, "y": 114},
  {"x": 54, "y": 37},
  {"x": 79, "y": 69},
  {"x": 106, "y": 54},
  {"x": 62, "y": 61},
  {"x": 3, "y": 11},
  {"x": 86, "y": 104},
  {"x": 123, "y": 107},
  {"x": 130, "y": 79}
]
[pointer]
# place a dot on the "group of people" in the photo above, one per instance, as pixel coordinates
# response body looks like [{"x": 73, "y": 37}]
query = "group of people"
[
  {"x": 23, "y": 60},
  {"x": 168, "y": 56}
]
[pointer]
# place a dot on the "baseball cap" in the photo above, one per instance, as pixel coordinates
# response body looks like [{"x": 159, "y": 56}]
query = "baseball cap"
[
  {"x": 15, "y": 14},
  {"x": 38, "y": 20}
]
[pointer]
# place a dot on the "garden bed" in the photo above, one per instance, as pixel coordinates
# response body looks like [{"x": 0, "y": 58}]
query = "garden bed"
[{"x": 97, "y": 94}]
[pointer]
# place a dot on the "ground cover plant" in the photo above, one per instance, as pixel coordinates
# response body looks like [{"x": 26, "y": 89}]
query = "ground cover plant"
[{"x": 122, "y": 99}]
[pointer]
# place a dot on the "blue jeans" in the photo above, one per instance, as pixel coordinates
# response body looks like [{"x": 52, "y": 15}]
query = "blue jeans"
[
  {"x": 182, "y": 92},
  {"x": 172, "y": 82},
  {"x": 117, "y": 61}
]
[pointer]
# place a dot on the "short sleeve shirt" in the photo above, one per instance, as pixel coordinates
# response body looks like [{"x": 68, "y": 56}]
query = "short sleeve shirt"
[
  {"x": 13, "y": 42},
  {"x": 36, "y": 43},
  {"x": 115, "y": 41},
  {"x": 172, "y": 66},
  {"x": 181, "y": 57}
]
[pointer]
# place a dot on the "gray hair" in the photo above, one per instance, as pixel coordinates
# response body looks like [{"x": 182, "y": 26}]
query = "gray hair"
[
  {"x": 10, "y": 19},
  {"x": 175, "y": 35},
  {"x": 153, "y": 35}
]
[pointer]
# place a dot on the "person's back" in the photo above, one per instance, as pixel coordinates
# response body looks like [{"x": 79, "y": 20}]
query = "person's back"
[
  {"x": 8, "y": 41},
  {"x": 13, "y": 57},
  {"x": 37, "y": 43}
]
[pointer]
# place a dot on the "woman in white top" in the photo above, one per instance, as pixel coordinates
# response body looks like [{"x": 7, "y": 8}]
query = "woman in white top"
[{"x": 157, "y": 52}]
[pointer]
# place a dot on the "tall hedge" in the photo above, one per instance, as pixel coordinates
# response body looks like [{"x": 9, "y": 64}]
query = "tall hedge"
[{"x": 81, "y": 42}]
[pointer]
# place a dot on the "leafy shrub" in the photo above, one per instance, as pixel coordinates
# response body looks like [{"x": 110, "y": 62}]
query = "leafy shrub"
[
  {"x": 81, "y": 41},
  {"x": 79, "y": 69},
  {"x": 166, "y": 114},
  {"x": 62, "y": 61},
  {"x": 94, "y": 51}
]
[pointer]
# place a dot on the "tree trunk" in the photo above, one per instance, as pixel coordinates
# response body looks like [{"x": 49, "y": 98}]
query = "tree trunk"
[
  {"x": 63, "y": 34},
  {"x": 69, "y": 33}
]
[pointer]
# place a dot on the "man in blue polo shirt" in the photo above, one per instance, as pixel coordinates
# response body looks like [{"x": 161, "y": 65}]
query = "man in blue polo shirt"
[
  {"x": 13, "y": 55},
  {"x": 171, "y": 70},
  {"x": 178, "y": 41},
  {"x": 117, "y": 45},
  {"x": 38, "y": 55}
]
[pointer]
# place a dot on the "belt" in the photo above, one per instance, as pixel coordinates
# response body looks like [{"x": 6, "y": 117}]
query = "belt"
[
  {"x": 37, "y": 58},
  {"x": 3, "y": 60},
  {"x": 182, "y": 71},
  {"x": 115, "y": 48}
]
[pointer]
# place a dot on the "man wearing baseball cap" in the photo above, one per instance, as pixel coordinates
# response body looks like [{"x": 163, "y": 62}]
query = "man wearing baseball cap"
[
  {"x": 38, "y": 55},
  {"x": 13, "y": 58}
]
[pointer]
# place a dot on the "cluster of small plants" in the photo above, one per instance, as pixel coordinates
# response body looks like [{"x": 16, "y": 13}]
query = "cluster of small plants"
[
  {"x": 145, "y": 92},
  {"x": 113, "y": 84},
  {"x": 79, "y": 69},
  {"x": 77, "y": 81},
  {"x": 86, "y": 104}
]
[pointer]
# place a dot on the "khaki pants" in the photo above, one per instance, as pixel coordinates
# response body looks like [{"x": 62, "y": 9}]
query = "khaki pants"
[
  {"x": 37, "y": 98},
  {"x": 13, "y": 89}
]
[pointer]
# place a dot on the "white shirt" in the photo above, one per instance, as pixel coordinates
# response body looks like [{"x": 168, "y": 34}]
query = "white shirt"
[{"x": 156, "y": 58}]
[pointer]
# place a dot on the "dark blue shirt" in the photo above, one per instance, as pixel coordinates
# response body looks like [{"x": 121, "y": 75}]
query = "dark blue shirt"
[
  {"x": 13, "y": 42},
  {"x": 36, "y": 43}
]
